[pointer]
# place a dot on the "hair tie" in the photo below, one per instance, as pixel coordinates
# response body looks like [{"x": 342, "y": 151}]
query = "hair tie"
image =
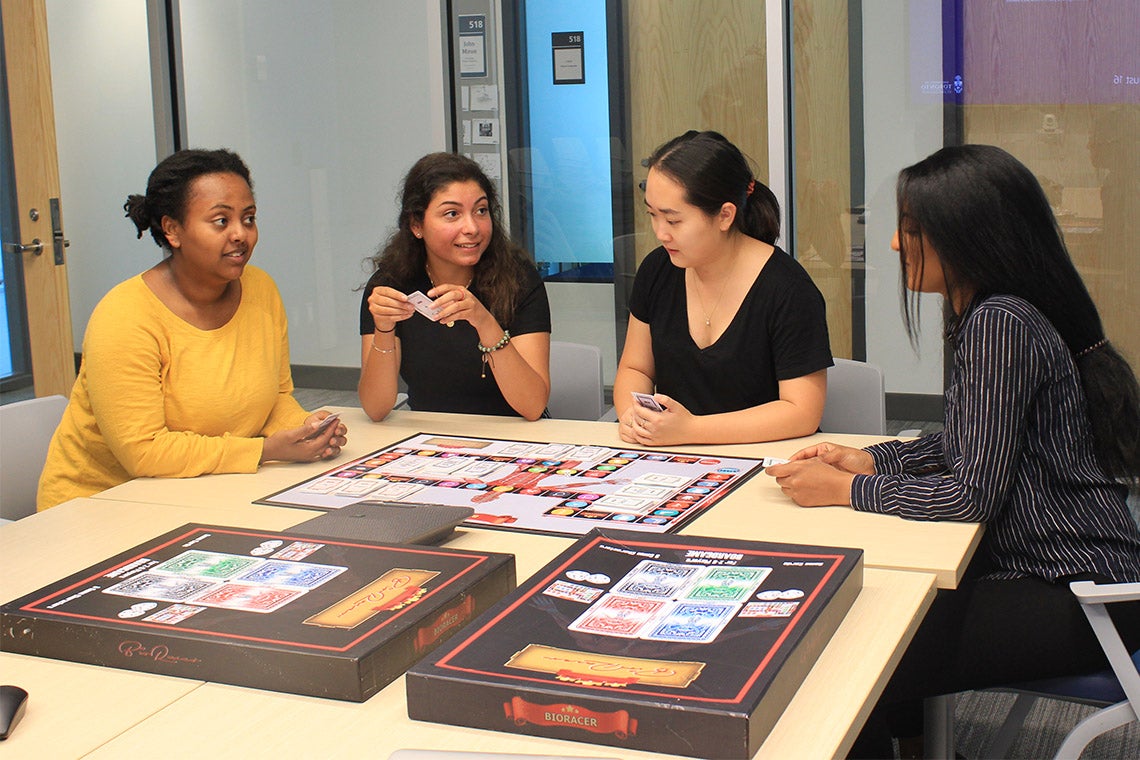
[
  {"x": 1099, "y": 344},
  {"x": 751, "y": 187}
]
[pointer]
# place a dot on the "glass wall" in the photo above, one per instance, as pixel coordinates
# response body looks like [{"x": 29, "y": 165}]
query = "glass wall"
[
  {"x": 14, "y": 360},
  {"x": 320, "y": 99},
  {"x": 878, "y": 86},
  {"x": 104, "y": 123},
  {"x": 329, "y": 104},
  {"x": 1058, "y": 86}
]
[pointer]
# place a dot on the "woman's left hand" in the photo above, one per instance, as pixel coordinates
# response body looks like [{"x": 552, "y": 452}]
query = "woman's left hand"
[
  {"x": 338, "y": 437},
  {"x": 813, "y": 483},
  {"x": 456, "y": 303},
  {"x": 652, "y": 428}
]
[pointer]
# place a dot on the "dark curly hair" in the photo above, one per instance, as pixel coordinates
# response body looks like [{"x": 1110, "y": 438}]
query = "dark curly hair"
[
  {"x": 501, "y": 267},
  {"x": 168, "y": 187}
]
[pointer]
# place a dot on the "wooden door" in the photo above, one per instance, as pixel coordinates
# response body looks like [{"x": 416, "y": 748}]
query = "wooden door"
[{"x": 37, "y": 194}]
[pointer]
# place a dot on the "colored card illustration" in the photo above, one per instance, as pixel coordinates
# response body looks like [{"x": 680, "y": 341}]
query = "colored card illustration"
[
  {"x": 168, "y": 588},
  {"x": 617, "y": 615},
  {"x": 251, "y": 598},
  {"x": 657, "y": 580},
  {"x": 174, "y": 614},
  {"x": 727, "y": 584},
  {"x": 291, "y": 574},
  {"x": 207, "y": 565},
  {"x": 572, "y": 591},
  {"x": 297, "y": 551},
  {"x": 693, "y": 622},
  {"x": 769, "y": 609}
]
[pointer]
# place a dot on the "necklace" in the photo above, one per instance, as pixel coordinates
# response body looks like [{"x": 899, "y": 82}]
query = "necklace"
[
  {"x": 431, "y": 279},
  {"x": 701, "y": 302}
]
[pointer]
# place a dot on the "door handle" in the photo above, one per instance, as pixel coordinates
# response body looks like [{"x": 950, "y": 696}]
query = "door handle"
[
  {"x": 35, "y": 247},
  {"x": 57, "y": 238}
]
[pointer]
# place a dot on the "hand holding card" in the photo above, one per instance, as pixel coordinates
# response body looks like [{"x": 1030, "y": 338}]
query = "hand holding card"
[
  {"x": 323, "y": 425},
  {"x": 423, "y": 305},
  {"x": 646, "y": 400}
]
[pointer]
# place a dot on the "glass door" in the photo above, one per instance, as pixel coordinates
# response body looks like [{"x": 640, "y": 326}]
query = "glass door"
[
  {"x": 15, "y": 363},
  {"x": 606, "y": 82}
]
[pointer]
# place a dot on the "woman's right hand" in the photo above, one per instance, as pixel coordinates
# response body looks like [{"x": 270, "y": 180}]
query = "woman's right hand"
[
  {"x": 300, "y": 445},
  {"x": 388, "y": 306},
  {"x": 845, "y": 458}
]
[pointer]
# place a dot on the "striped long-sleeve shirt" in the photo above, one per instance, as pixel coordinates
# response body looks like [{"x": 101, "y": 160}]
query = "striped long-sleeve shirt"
[{"x": 1016, "y": 453}]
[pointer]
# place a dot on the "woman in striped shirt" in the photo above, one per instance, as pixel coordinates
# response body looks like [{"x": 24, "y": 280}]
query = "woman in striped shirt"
[{"x": 1041, "y": 436}]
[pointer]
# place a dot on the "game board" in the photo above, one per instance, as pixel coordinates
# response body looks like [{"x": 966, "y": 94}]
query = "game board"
[
  {"x": 677, "y": 644},
  {"x": 557, "y": 488},
  {"x": 274, "y": 610}
]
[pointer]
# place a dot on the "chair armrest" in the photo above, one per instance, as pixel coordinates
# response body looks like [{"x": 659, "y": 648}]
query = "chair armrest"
[{"x": 1089, "y": 592}]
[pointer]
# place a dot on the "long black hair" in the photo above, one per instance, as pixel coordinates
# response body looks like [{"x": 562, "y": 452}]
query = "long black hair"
[
  {"x": 713, "y": 172},
  {"x": 989, "y": 222},
  {"x": 403, "y": 257},
  {"x": 168, "y": 187}
]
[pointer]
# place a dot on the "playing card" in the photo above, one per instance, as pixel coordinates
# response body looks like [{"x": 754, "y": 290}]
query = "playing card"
[
  {"x": 170, "y": 588},
  {"x": 323, "y": 426},
  {"x": 245, "y": 597},
  {"x": 697, "y": 623},
  {"x": 423, "y": 305},
  {"x": 617, "y": 616},
  {"x": 647, "y": 400}
]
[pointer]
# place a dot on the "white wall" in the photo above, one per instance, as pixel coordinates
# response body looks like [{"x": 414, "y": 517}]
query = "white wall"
[
  {"x": 328, "y": 103},
  {"x": 901, "y": 127}
]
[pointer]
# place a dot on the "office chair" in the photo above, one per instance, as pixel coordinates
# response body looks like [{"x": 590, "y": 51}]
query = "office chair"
[
  {"x": 26, "y": 428},
  {"x": 856, "y": 401},
  {"x": 1116, "y": 690},
  {"x": 576, "y": 389}
]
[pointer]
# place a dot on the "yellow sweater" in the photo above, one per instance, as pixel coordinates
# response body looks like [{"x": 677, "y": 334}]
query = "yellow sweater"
[{"x": 157, "y": 397}]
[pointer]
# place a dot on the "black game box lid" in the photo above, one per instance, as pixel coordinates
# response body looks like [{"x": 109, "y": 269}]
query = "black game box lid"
[
  {"x": 675, "y": 644},
  {"x": 286, "y": 611}
]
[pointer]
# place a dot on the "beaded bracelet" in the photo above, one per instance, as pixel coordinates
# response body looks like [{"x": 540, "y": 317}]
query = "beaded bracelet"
[{"x": 488, "y": 350}]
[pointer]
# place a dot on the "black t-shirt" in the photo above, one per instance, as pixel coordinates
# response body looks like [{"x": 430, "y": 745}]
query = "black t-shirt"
[
  {"x": 442, "y": 365},
  {"x": 779, "y": 333}
]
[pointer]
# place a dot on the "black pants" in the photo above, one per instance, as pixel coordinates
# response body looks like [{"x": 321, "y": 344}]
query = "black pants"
[{"x": 991, "y": 633}]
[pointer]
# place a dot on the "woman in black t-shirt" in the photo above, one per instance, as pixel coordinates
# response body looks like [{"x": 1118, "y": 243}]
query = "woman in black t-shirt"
[
  {"x": 485, "y": 349},
  {"x": 728, "y": 329}
]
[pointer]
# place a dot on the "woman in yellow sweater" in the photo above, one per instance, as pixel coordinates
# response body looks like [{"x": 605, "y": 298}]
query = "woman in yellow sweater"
[{"x": 186, "y": 366}]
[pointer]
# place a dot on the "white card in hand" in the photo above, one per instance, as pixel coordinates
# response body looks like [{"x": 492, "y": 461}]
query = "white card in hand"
[{"x": 423, "y": 305}]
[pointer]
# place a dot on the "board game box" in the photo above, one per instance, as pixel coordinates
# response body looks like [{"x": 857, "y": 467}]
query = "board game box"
[
  {"x": 554, "y": 488},
  {"x": 675, "y": 644},
  {"x": 273, "y": 610}
]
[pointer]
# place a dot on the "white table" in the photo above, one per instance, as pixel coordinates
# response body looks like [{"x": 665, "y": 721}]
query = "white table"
[
  {"x": 78, "y": 709},
  {"x": 756, "y": 510}
]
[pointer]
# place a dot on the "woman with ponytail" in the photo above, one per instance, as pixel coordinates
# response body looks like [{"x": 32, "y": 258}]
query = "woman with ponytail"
[
  {"x": 726, "y": 331},
  {"x": 1041, "y": 442},
  {"x": 185, "y": 367}
]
